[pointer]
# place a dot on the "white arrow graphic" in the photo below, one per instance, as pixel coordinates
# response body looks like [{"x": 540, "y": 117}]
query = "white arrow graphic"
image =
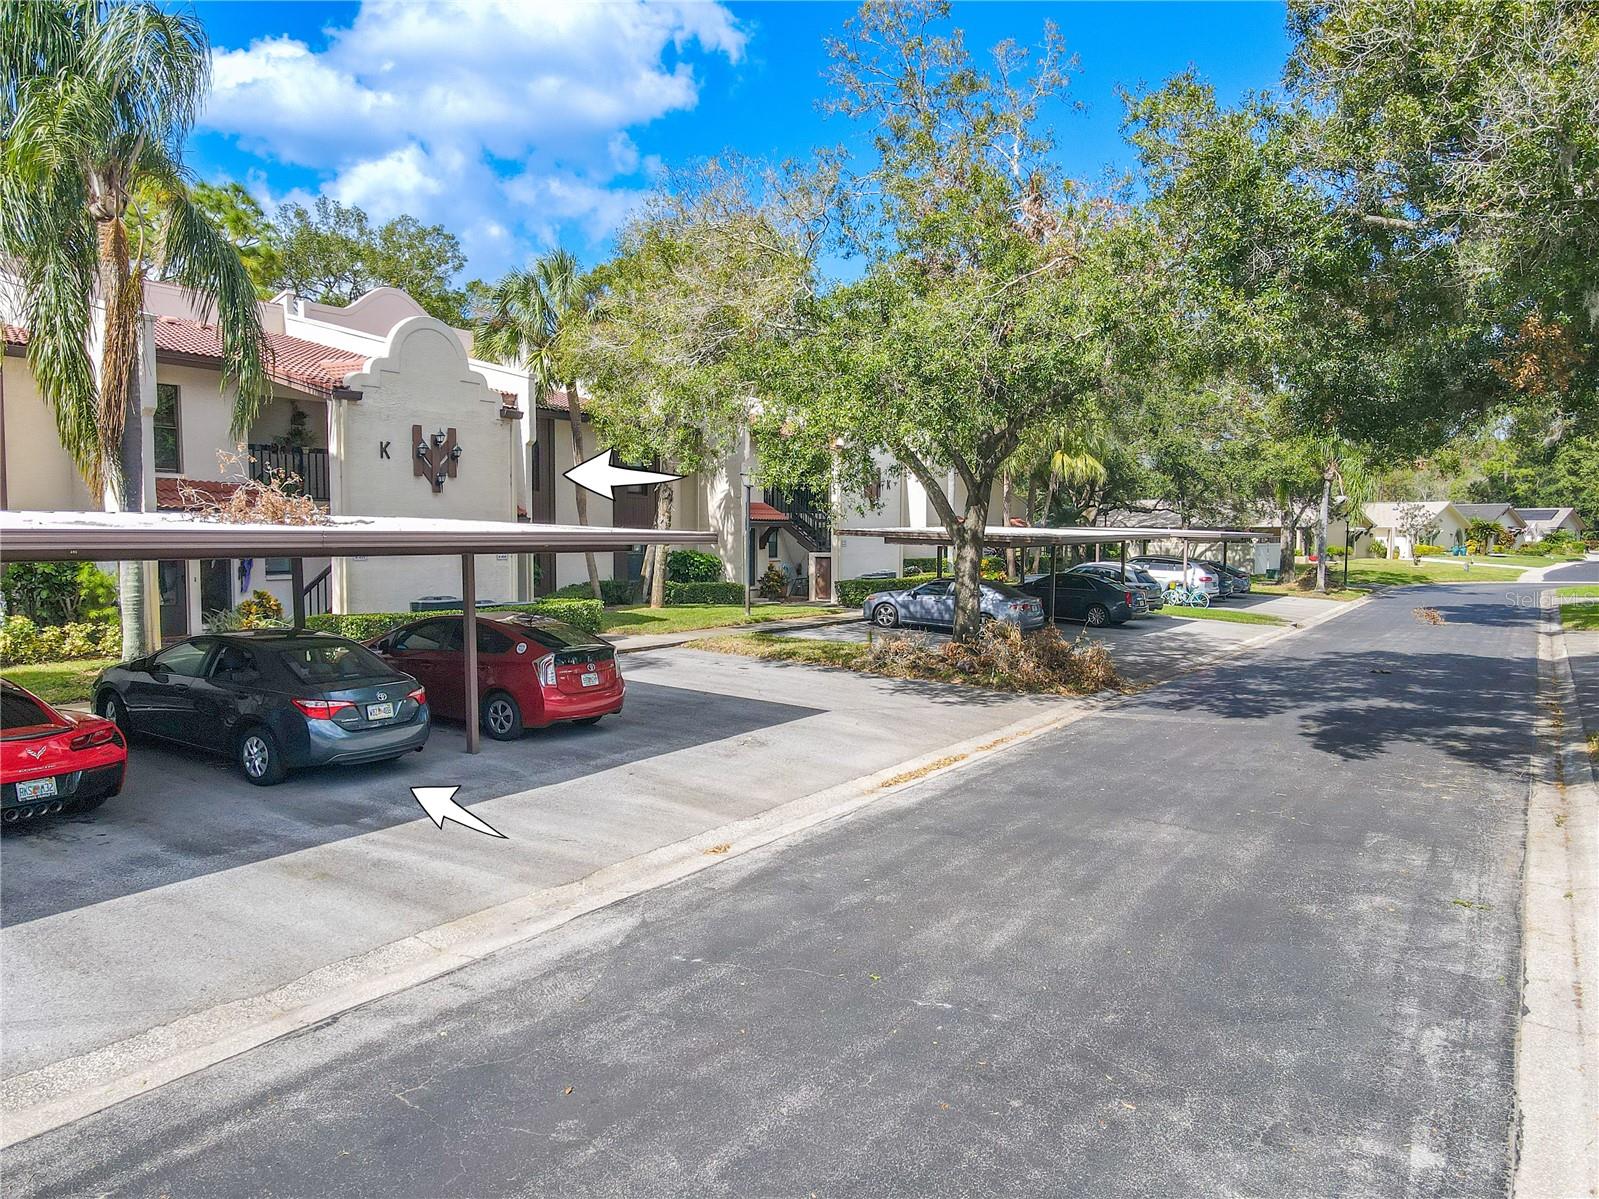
[
  {"x": 439, "y": 803},
  {"x": 600, "y": 474}
]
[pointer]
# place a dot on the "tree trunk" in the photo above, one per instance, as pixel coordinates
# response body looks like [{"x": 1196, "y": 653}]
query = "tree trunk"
[
  {"x": 1323, "y": 515},
  {"x": 1287, "y": 538},
  {"x": 968, "y": 539},
  {"x": 1033, "y": 518},
  {"x": 121, "y": 451},
  {"x": 663, "y": 521},
  {"x": 574, "y": 407}
]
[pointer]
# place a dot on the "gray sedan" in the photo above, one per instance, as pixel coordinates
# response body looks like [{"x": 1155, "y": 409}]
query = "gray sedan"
[{"x": 933, "y": 604}]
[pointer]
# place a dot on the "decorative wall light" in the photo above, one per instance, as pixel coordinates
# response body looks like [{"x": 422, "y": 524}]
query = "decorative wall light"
[{"x": 436, "y": 456}]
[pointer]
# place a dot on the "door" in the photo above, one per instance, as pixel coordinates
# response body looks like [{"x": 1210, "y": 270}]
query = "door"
[
  {"x": 541, "y": 487},
  {"x": 1072, "y": 593},
  {"x": 419, "y": 652},
  {"x": 172, "y": 581},
  {"x": 162, "y": 701},
  {"x": 230, "y": 686},
  {"x": 932, "y": 603},
  {"x": 216, "y": 586}
]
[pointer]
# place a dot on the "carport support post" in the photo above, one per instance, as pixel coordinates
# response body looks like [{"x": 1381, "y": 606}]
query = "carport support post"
[
  {"x": 297, "y": 582},
  {"x": 1054, "y": 551},
  {"x": 469, "y": 644},
  {"x": 1124, "y": 564},
  {"x": 938, "y": 561}
]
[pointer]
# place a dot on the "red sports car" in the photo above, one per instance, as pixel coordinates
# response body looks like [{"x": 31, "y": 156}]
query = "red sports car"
[
  {"x": 51, "y": 761},
  {"x": 532, "y": 671}
]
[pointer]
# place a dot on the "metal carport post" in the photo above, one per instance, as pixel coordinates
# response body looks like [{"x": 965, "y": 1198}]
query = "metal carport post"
[{"x": 156, "y": 536}]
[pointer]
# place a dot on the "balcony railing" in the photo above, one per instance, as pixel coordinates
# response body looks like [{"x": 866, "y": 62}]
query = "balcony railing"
[
  {"x": 807, "y": 511},
  {"x": 310, "y": 467}
]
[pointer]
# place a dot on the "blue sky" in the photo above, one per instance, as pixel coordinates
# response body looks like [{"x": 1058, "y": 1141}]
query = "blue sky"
[{"x": 524, "y": 124}]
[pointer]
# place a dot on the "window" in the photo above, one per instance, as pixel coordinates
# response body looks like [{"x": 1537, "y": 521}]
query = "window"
[
  {"x": 492, "y": 641},
  {"x": 425, "y": 638},
  {"x": 279, "y": 568},
  {"x": 235, "y": 664},
  {"x": 551, "y": 634},
  {"x": 184, "y": 659},
  {"x": 168, "y": 442},
  {"x": 935, "y": 588},
  {"x": 333, "y": 662},
  {"x": 19, "y": 711}
]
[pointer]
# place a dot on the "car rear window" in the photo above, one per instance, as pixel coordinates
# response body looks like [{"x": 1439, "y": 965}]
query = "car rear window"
[
  {"x": 552, "y": 634},
  {"x": 332, "y": 663},
  {"x": 19, "y": 710},
  {"x": 1007, "y": 591}
]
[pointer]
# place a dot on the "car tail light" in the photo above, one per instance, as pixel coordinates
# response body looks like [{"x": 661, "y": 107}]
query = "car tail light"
[
  {"x": 546, "y": 669},
  {"x": 1207, "y": 578},
  {"x": 420, "y": 695},
  {"x": 321, "y": 709},
  {"x": 1127, "y": 598},
  {"x": 100, "y": 736}
]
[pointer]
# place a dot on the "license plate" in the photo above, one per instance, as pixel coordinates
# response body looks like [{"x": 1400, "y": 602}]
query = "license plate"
[
  {"x": 380, "y": 711},
  {"x": 36, "y": 789},
  {"x": 591, "y": 679}
]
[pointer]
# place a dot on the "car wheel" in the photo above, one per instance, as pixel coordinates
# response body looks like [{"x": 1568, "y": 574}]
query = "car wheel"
[
  {"x": 502, "y": 718},
  {"x": 110, "y": 706},
  {"x": 259, "y": 757},
  {"x": 885, "y": 616},
  {"x": 1098, "y": 616}
]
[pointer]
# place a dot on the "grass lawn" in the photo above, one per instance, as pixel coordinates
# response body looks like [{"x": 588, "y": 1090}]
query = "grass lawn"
[
  {"x": 1230, "y": 615},
  {"x": 59, "y": 682},
  {"x": 1260, "y": 587},
  {"x": 1528, "y": 561},
  {"x": 1580, "y": 618},
  {"x": 1583, "y": 591},
  {"x": 644, "y": 619},
  {"x": 772, "y": 648}
]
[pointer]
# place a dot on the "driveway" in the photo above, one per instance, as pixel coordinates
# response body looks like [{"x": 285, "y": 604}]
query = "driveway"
[
  {"x": 194, "y": 889},
  {"x": 1255, "y": 933}
]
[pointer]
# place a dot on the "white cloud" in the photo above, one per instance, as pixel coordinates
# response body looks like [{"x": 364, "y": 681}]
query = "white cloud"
[{"x": 421, "y": 107}]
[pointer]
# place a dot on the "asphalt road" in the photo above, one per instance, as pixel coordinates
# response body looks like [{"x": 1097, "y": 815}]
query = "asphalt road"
[{"x": 1252, "y": 933}]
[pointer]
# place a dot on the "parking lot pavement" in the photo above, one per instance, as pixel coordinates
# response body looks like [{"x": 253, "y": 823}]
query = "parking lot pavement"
[{"x": 194, "y": 889}]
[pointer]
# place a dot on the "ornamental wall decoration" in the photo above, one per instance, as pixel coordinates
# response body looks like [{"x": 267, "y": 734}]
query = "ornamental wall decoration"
[{"x": 434, "y": 456}]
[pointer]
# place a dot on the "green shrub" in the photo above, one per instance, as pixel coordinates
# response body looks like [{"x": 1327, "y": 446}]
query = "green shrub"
[
  {"x": 261, "y": 611},
  {"x": 920, "y": 565},
  {"x": 853, "y": 592},
  {"x": 110, "y": 643},
  {"x": 1427, "y": 550},
  {"x": 80, "y": 640},
  {"x": 693, "y": 566},
  {"x": 679, "y": 594},
  {"x": 773, "y": 585},
  {"x": 19, "y": 641},
  {"x": 45, "y": 592},
  {"x": 1378, "y": 548},
  {"x": 613, "y": 592},
  {"x": 97, "y": 596},
  {"x": 586, "y": 614}
]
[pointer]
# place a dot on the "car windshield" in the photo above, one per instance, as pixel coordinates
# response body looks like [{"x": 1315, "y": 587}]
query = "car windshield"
[
  {"x": 1006, "y": 591},
  {"x": 552, "y": 634},
  {"x": 322, "y": 663},
  {"x": 19, "y": 710}
]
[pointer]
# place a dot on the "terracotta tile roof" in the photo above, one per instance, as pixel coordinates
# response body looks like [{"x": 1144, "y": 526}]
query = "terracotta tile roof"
[
  {"x": 16, "y": 335},
  {"x": 293, "y": 362},
  {"x": 765, "y": 512},
  {"x": 510, "y": 406},
  {"x": 169, "y": 493},
  {"x": 555, "y": 401}
]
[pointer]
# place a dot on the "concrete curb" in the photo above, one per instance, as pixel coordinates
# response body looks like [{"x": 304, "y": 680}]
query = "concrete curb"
[
  {"x": 71, "y": 1089},
  {"x": 1556, "y": 1136}
]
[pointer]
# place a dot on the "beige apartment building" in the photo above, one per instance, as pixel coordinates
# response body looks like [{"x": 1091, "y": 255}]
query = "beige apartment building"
[{"x": 354, "y": 392}]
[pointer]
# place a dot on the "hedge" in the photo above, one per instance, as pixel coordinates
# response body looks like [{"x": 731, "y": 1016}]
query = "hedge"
[
  {"x": 678, "y": 594},
  {"x": 853, "y": 592},
  {"x": 23, "y": 643},
  {"x": 363, "y": 626},
  {"x": 613, "y": 592}
]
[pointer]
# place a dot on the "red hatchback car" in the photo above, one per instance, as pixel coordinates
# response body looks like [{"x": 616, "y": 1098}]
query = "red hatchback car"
[
  {"x": 531, "y": 671},
  {"x": 52, "y": 761}
]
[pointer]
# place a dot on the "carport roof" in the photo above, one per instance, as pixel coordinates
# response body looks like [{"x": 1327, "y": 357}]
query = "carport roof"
[
  {"x": 107, "y": 536},
  {"x": 1023, "y": 536}
]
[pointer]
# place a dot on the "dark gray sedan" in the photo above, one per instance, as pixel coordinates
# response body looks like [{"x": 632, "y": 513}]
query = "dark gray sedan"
[
  {"x": 1137, "y": 580},
  {"x": 933, "y": 605},
  {"x": 270, "y": 699},
  {"x": 1085, "y": 597}
]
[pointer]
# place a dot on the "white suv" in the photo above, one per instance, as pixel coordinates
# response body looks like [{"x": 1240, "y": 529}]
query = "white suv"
[{"x": 1170, "y": 570}]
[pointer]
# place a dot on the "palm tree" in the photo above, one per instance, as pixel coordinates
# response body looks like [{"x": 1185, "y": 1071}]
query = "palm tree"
[
  {"x": 520, "y": 321},
  {"x": 96, "y": 101}
]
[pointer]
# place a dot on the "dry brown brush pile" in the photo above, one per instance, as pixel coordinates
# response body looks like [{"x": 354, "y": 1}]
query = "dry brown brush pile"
[
  {"x": 1002, "y": 659},
  {"x": 274, "y": 500}
]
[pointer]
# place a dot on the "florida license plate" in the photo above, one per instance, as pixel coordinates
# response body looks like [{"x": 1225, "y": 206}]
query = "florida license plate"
[
  {"x": 380, "y": 711},
  {"x": 36, "y": 789},
  {"x": 591, "y": 679}
]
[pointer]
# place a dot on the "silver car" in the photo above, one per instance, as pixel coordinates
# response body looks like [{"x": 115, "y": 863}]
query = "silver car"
[{"x": 933, "y": 604}]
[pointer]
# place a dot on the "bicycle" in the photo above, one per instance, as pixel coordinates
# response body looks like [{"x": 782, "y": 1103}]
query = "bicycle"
[{"x": 1186, "y": 597}]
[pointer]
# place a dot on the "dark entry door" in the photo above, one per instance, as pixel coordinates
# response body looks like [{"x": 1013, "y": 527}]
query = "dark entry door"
[
  {"x": 172, "y": 578},
  {"x": 216, "y": 586},
  {"x": 541, "y": 481},
  {"x": 631, "y": 508}
]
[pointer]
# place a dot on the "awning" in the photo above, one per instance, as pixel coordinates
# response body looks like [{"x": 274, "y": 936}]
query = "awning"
[{"x": 147, "y": 536}]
